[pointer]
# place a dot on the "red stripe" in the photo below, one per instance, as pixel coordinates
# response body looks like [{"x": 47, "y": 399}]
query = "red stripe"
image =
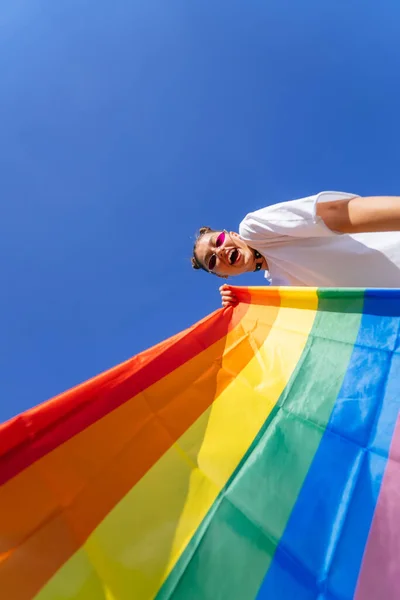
[{"x": 28, "y": 437}]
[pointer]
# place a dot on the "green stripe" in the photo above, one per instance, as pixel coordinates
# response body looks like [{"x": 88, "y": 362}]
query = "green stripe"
[{"x": 231, "y": 551}]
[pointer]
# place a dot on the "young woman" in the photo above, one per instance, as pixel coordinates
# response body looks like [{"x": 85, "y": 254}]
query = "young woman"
[{"x": 332, "y": 239}]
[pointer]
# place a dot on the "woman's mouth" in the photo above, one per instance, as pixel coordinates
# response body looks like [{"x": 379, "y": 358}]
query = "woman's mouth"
[{"x": 233, "y": 256}]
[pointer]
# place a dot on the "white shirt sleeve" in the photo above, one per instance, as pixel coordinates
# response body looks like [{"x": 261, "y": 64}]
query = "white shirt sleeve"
[{"x": 295, "y": 218}]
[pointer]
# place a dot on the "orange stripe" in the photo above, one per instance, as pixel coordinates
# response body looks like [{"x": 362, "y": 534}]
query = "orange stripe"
[
  {"x": 57, "y": 420},
  {"x": 71, "y": 489}
]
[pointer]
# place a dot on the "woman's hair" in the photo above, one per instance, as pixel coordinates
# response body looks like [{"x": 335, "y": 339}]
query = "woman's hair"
[{"x": 196, "y": 263}]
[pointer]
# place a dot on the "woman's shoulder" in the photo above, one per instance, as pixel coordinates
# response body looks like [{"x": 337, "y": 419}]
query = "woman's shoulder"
[
  {"x": 296, "y": 218},
  {"x": 271, "y": 218}
]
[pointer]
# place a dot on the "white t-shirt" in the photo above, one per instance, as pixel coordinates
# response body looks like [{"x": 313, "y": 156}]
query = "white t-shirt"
[{"x": 301, "y": 250}]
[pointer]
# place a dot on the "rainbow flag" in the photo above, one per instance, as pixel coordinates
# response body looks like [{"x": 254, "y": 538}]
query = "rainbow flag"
[{"x": 254, "y": 455}]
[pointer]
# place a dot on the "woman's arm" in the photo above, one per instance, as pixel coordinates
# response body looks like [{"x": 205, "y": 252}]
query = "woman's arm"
[{"x": 361, "y": 215}]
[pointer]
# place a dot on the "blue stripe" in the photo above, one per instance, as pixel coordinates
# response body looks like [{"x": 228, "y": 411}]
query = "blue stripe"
[{"x": 321, "y": 550}]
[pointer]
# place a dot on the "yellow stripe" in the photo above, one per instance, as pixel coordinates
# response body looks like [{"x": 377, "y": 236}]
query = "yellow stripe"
[{"x": 137, "y": 545}]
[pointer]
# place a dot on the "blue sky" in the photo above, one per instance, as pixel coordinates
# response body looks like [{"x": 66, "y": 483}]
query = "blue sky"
[{"x": 127, "y": 125}]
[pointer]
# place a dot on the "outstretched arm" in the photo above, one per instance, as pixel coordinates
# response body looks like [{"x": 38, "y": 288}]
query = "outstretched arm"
[{"x": 361, "y": 215}]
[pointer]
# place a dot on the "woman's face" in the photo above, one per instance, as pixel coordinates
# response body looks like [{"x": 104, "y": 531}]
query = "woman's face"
[{"x": 225, "y": 253}]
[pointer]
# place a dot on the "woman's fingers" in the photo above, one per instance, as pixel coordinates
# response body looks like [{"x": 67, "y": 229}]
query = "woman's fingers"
[
  {"x": 225, "y": 289},
  {"x": 228, "y": 297},
  {"x": 226, "y": 303}
]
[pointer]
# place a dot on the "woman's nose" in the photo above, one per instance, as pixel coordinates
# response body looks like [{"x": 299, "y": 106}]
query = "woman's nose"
[{"x": 219, "y": 250}]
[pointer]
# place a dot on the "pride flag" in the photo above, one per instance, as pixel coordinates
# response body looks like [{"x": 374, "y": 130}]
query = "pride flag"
[{"x": 254, "y": 455}]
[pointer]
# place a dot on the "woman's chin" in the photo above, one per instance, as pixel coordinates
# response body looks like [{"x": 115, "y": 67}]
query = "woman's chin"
[{"x": 241, "y": 270}]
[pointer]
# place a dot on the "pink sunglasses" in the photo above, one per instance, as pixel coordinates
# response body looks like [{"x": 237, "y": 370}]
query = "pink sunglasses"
[{"x": 218, "y": 243}]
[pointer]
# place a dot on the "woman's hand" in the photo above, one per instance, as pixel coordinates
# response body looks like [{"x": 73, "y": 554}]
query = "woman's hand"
[{"x": 228, "y": 297}]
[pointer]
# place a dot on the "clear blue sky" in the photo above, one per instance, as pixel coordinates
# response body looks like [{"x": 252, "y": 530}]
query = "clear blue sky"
[{"x": 126, "y": 125}]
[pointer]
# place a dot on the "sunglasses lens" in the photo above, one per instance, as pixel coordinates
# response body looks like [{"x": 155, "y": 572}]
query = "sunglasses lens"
[
  {"x": 212, "y": 262},
  {"x": 220, "y": 239}
]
